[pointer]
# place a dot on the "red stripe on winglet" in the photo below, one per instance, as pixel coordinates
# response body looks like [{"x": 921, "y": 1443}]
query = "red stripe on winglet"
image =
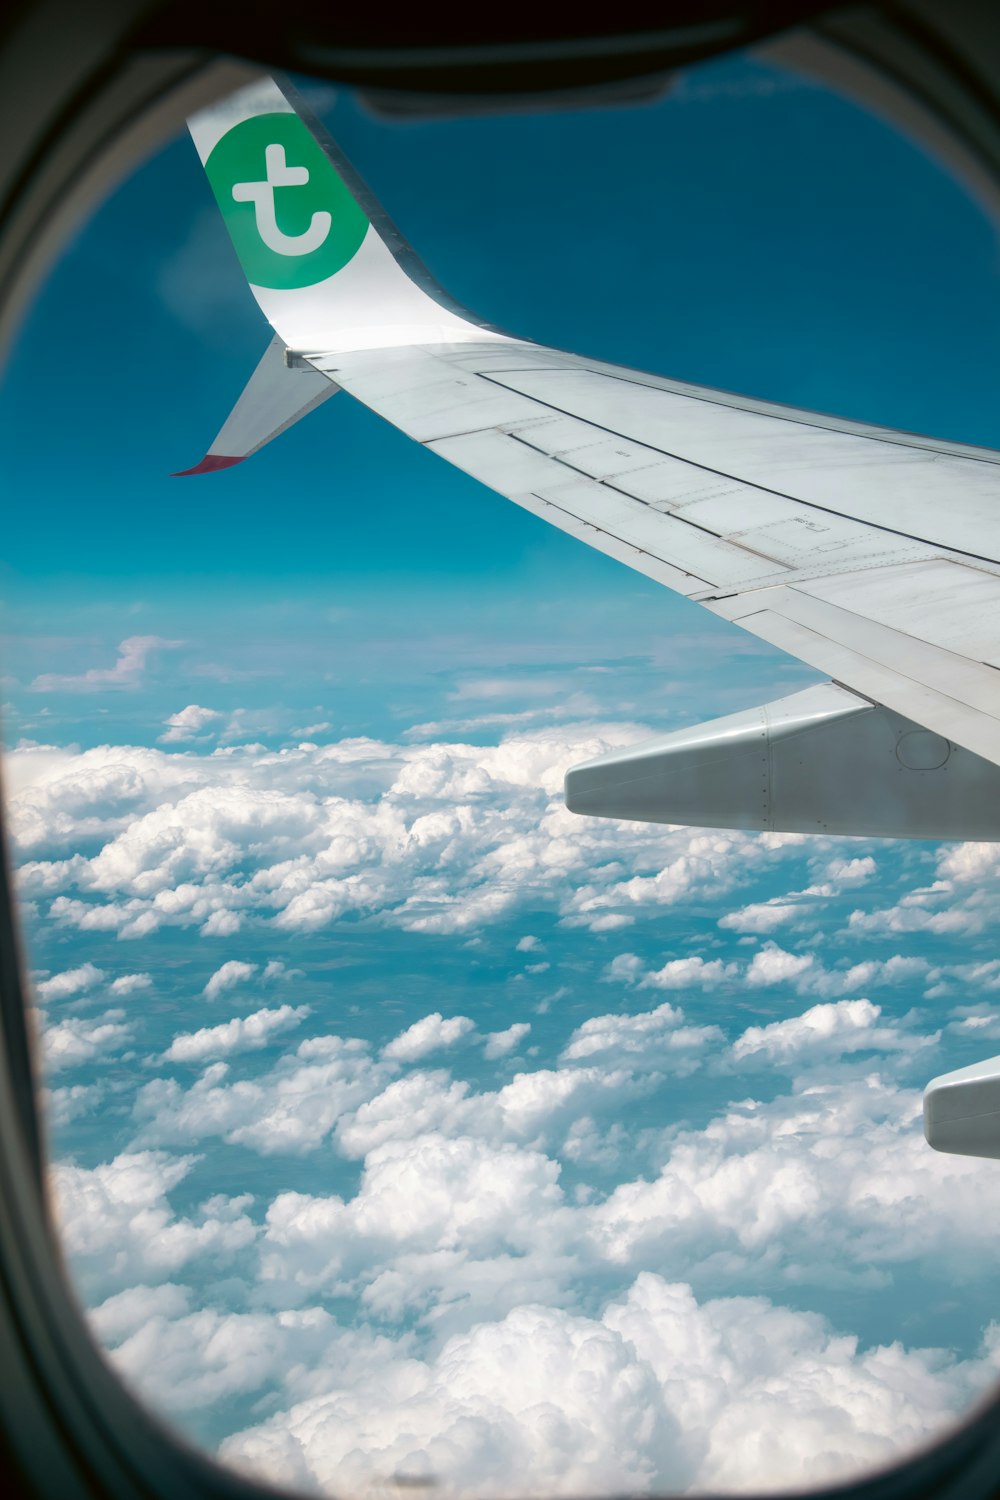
[{"x": 209, "y": 464}]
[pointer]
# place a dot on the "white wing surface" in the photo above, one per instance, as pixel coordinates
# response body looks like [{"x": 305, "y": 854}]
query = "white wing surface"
[{"x": 872, "y": 555}]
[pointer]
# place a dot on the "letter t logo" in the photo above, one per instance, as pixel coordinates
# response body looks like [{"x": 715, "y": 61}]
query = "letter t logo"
[{"x": 261, "y": 194}]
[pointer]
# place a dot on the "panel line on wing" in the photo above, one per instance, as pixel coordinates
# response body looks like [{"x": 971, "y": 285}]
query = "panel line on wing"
[
  {"x": 675, "y": 514},
  {"x": 730, "y": 401},
  {"x": 586, "y": 525},
  {"x": 735, "y": 478}
]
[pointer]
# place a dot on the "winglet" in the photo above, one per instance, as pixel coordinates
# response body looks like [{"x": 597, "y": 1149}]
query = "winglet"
[
  {"x": 276, "y": 395},
  {"x": 209, "y": 464}
]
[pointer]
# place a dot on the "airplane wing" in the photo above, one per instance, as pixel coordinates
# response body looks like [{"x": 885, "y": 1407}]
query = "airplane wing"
[{"x": 872, "y": 555}]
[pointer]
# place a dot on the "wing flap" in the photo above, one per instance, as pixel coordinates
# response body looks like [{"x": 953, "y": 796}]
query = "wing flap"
[
  {"x": 938, "y": 601},
  {"x": 951, "y": 693}
]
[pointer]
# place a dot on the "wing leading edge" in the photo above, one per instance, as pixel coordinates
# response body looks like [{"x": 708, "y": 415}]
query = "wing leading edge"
[{"x": 870, "y": 554}]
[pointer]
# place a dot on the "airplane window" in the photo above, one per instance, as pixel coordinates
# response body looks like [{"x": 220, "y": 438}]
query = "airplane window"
[{"x": 407, "y": 1129}]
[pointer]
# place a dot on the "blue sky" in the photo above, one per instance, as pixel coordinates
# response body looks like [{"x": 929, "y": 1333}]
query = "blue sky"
[{"x": 285, "y": 753}]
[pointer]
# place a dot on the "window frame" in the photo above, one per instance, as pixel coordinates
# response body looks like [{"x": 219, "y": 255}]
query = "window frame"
[{"x": 78, "y": 110}]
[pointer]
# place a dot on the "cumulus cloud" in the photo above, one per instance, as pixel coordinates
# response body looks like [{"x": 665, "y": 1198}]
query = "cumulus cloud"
[
  {"x": 276, "y": 969},
  {"x": 241, "y": 1034},
  {"x": 418, "y": 1104},
  {"x": 625, "y": 968},
  {"x": 761, "y": 917},
  {"x": 899, "y": 969},
  {"x": 773, "y": 965},
  {"x": 716, "y": 860},
  {"x": 980, "y": 1020},
  {"x": 832, "y": 1182},
  {"x": 651, "y": 1039},
  {"x": 62, "y": 1106},
  {"x": 62, "y": 797},
  {"x": 918, "y": 913},
  {"x": 123, "y": 1313},
  {"x": 960, "y": 902},
  {"x": 188, "y": 723},
  {"x": 827, "y": 1030},
  {"x": 129, "y": 984},
  {"x": 834, "y": 1176},
  {"x": 69, "y": 982},
  {"x": 561, "y": 1210},
  {"x": 431, "y": 838},
  {"x": 977, "y": 977},
  {"x": 74, "y": 1041},
  {"x": 430, "y": 1034},
  {"x": 228, "y": 976},
  {"x": 128, "y": 919},
  {"x": 127, "y": 671},
  {"x": 657, "y": 1393},
  {"x": 693, "y": 972},
  {"x": 462, "y": 1234},
  {"x": 770, "y": 966},
  {"x": 118, "y": 1228},
  {"x": 184, "y": 1361},
  {"x": 689, "y": 973},
  {"x": 503, "y": 1043},
  {"x": 850, "y": 872},
  {"x": 291, "y": 1109},
  {"x": 437, "y": 1193}
]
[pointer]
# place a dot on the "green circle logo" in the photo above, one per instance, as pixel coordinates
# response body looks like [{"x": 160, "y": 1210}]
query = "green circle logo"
[{"x": 291, "y": 219}]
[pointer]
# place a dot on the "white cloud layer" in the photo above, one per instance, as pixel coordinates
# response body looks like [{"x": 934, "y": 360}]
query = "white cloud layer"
[
  {"x": 431, "y": 838},
  {"x": 546, "y": 1274},
  {"x": 658, "y": 1393},
  {"x": 473, "y": 1359},
  {"x": 292, "y": 1109}
]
